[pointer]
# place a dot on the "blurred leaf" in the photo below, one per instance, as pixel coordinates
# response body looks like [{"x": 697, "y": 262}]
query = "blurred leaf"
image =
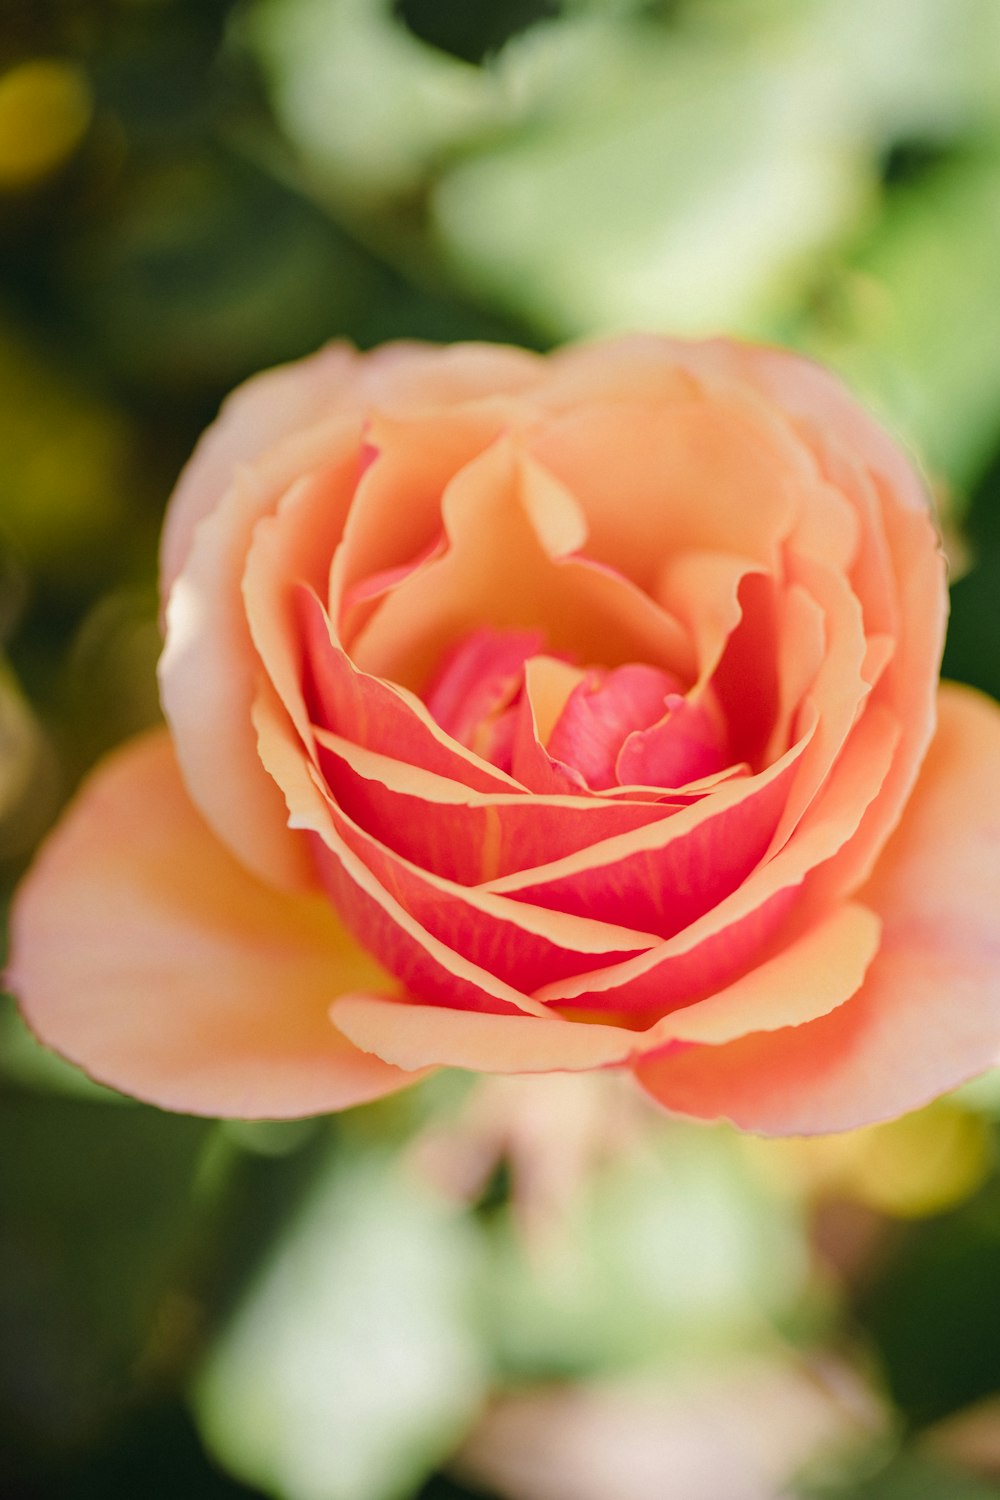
[
  {"x": 366, "y": 103},
  {"x": 920, "y": 1164},
  {"x": 352, "y": 1366},
  {"x": 933, "y": 1314},
  {"x": 97, "y": 1204},
  {"x": 908, "y": 1477},
  {"x": 28, "y": 780},
  {"x": 468, "y": 31},
  {"x": 664, "y": 180},
  {"x": 972, "y": 649},
  {"x": 209, "y": 270},
  {"x": 110, "y": 686},
  {"x": 667, "y": 1255},
  {"x": 913, "y": 325},
  {"x": 66, "y": 457}
]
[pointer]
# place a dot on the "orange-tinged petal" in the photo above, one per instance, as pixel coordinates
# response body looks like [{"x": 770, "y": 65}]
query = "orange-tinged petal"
[
  {"x": 663, "y": 876},
  {"x": 817, "y": 401},
  {"x": 501, "y": 519},
  {"x": 145, "y": 953},
  {"x": 209, "y": 667},
  {"x": 253, "y": 418},
  {"x": 928, "y": 1014},
  {"x": 484, "y": 1042},
  {"x": 654, "y": 478},
  {"x": 816, "y": 973}
]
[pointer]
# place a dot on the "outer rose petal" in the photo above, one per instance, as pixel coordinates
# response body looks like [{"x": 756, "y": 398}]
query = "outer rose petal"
[
  {"x": 817, "y": 972},
  {"x": 255, "y": 416},
  {"x": 146, "y": 954},
  {"x": 928, "y": 1014}
]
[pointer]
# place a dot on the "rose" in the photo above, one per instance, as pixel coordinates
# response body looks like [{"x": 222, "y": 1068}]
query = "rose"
[{"x": 539, "y": 714}]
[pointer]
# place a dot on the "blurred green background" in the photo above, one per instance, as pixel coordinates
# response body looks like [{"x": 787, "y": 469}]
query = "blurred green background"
[{"x": 525, "y": 1290}]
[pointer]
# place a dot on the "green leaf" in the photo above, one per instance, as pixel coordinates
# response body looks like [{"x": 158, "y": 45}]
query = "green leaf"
[
  {"x": 98, "y": 1206},
  {"x": 352, "y": 1366},
  {"x": 908, "y": 1477}
]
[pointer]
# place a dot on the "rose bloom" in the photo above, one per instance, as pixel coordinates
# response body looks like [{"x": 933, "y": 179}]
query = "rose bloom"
[{"x": 533, "y": 714}]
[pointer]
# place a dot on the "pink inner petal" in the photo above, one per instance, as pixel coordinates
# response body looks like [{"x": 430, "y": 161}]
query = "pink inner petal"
[
  {"x": 687, "y": 745},
  {"x": 602, "y": 711},
  {"x": 478, "y": 678}
]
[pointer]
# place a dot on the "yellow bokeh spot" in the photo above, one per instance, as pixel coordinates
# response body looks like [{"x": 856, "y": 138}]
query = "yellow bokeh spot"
[
  {"x": 45, "y": 108},
  {"x": 921, "y": 1164}
]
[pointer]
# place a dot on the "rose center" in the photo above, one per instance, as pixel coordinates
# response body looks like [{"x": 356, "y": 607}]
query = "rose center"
[{"x": 604, "y": 727}]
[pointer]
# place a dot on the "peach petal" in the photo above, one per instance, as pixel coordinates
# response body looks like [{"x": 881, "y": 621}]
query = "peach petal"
[
  {"x": 809, "y": 977},
  {"x": 470, "y": 1039},
  {"x": 928, "y": 1015},
  {"x": 701, "y": 960},
  {"x": 827, "y": 526},
  {"x": 700, "y": 475},
  {"x": 839, "y": 689},
  {"x": 478, "y": 678},
  {"x": 381, "y": 715},
  {"x": 142, "y": 951},
  {"x": 497, "y": 572},
  {"x": 604, "y": 710},
  {"x": 815, "y": 399},
  {"x": 523, "y": 946},
  {"x": 438, "y": 974},
  {"x": 713, "y": 949},
  {"x": 907, "y": 687},
  {"x": 254, "y": 417},
  {"x": 801, "y": 636},
  {"x": 548, "y": 685},
  {"x": 371, "y": 913},
  {"x": 379, "y": 921},
  {"x": 305, "y": 525},
  {"x": 396, "y": 514},
  {"x": 682, "y": 750},
  {"x": 410, "y": 378},
  {"x": 702, "y": 591},
  {"x": 813, "y": 975},
  {"x": 209, "y": 667}
]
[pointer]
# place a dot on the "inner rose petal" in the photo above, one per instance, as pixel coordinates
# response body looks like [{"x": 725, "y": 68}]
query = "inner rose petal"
[
  {"x": 559, "y": 728},
  {"x": 478, "y": 678},
  {"x": 602, "y": 712}
]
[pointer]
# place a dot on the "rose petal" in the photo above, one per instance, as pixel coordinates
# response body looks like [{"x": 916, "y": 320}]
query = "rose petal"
[
  {"x": 700, "y": 475},
  {"x": 928, "y": 1014},
  {"x": 209, "y": 667},
  {"x": 466, "y": 836},
  {"x": 254, "y": 417},
  {"x": 144, "y": 952},
  {"x": 498, "y": 571},
  {"x": 818, "y": 972},
  {"x": 664, "y": 876}
]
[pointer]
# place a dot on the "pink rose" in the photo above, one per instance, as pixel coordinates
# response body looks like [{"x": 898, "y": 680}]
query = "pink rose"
[{"x": 532, "y": 714}]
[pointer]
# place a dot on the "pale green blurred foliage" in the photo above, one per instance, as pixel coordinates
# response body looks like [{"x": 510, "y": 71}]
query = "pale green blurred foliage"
[{"x": 722, "y": 174}]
